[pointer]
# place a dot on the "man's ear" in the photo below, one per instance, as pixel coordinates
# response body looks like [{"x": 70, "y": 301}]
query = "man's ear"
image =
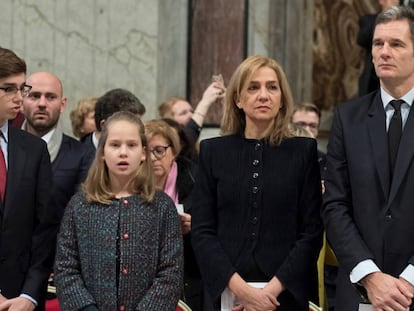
[{"x": 64, "y": 103}]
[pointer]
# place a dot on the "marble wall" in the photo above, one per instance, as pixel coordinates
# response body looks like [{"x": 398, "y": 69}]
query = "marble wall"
[{"x": 94, "y": 46}]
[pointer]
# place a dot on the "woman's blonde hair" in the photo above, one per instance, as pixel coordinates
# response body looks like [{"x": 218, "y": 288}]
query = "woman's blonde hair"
[
  {"x": 77, "y": 116},
  {"x": 97, "y": 184},
  {"x": 162, "y": 128},
  {"x": 234, "y": 121},
  {"x": 165, "y": 109}
]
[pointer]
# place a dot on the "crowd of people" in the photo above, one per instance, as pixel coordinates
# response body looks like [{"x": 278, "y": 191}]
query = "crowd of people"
[{"x": 139, "y": 215}]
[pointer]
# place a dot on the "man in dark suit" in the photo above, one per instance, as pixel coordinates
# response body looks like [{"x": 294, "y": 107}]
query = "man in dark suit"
[
  {"x": 308, "y": 116},
  {"x": 70, "y": 158},
  {"x": 26, "y": 229},
  {"x": 368, "y": 204}
]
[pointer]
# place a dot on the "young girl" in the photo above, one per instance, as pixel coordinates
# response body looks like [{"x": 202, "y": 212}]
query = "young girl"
[{"x": 120, "y": 244}]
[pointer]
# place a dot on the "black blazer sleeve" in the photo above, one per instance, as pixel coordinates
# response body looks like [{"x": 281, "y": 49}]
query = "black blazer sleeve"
[
  {"x": 337, "y": 211},
  {"x": 209, "y": 252}
]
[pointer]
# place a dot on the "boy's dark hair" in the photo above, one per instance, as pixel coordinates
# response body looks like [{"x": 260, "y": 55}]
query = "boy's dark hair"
[
  {"x": 116, "y": 100},
  {"x": 10, "y": 63}
]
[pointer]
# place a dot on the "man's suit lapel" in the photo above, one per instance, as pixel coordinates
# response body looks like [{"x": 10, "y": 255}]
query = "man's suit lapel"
[
  {"x": 379, "y": 143},
  {"x": 404, "y": 157},
  {"x": 16, "y": 158}
]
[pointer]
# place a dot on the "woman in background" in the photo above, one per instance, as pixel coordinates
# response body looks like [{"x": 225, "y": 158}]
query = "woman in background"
[
  {"x": 180, "y": 110},
  {"x": 83, "y": 117},
  {"x": 175, "y": 175}
]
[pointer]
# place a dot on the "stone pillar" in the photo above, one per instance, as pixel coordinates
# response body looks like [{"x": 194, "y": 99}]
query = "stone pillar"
[{"x": 217, "y": 46}]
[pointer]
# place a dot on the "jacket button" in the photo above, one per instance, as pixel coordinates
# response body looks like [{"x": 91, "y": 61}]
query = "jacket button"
[
  {"x": 125, "y": 236},
  {"x": 125, "y": 202},
  {"x": 122, "y": 307},
  {"x": 124, "y": 271},
  {"x": 256, "y": 162}
]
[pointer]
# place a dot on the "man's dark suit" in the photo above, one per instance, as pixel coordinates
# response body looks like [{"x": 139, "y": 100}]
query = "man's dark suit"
[
  {"x": 366, "y": 215},
  {"x": 69, "y": 170},
  {"x": 26, "y": 242}
]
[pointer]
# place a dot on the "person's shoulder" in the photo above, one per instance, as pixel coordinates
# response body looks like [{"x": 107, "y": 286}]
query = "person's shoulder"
[
  {"x": 25, "y": 139},
  {"x": 359, "y": 103},
  {"x": 160, "y": 197},
  {"x": 162, "y": 202},
  {"x": 221, "y": 140},
  {"x": 76, "y": 145},
  {"x": 299, "y": 143}
]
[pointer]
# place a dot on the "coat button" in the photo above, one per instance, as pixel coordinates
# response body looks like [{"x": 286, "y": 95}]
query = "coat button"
[
  {"x": 255, "y": 175},
  {"x": 255, "y": 189},
  {"x": 125, "y": 202},
  {"x": 122, "y": 307},
  {"x": 125, "y": 236},
  {"x": 124, "y": 271},
  {"x": 256, "y": 162},
  {"x": 257, "y": 147}
]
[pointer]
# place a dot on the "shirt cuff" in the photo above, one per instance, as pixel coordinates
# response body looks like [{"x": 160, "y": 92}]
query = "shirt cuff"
[
  {"x": 30, "y": 298},
  {"x": 408, "y": 274},
  {"x": 362, "y": 269}
]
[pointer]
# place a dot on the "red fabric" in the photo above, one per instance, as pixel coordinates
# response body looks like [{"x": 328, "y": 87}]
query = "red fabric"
[{"x": 52, "y": 305}]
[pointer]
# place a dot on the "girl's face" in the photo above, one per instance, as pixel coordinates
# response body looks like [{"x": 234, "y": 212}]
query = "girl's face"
[
  {"x": 123, "y": 150},
  {"x": 162, "y": 156}
]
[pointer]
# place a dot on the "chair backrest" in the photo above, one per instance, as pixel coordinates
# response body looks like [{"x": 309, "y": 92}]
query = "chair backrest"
[{"x": 182, "y": 306}]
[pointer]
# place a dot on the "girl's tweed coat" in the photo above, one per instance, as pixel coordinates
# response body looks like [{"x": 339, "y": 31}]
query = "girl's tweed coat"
[{"x": 124, "y": 256}]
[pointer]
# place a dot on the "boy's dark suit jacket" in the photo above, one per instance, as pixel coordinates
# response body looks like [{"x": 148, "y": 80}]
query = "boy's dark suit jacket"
[{"x": 27, "y": 227}]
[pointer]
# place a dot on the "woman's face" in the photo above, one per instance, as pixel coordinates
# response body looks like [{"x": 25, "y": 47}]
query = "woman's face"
[
  {"x": 123, "y": 151},
  {"x": 260, "y": 98},
  {"x": 182, "y": 112},
  {"x": 162, "y": 156},
  {"x": 88, "y": 125}
]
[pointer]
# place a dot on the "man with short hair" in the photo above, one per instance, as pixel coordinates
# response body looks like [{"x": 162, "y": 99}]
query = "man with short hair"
[
  {"x": 368, "y": 207},
  {"x": 109, "y": 103},
  {"x": 70, "y": 158},
  {"x": 27, "y": 228},
  {"x": 307, "y": 116}
]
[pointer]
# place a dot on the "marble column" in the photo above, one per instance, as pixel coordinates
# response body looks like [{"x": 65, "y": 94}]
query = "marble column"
[{"x": 217, "y": 46}]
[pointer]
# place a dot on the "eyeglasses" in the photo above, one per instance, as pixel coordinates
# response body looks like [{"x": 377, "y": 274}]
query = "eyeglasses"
[
  {"x": 11, "y": 90},
  {"x": 159, "y": 151},
  {"x": 304, "y": 124}
]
